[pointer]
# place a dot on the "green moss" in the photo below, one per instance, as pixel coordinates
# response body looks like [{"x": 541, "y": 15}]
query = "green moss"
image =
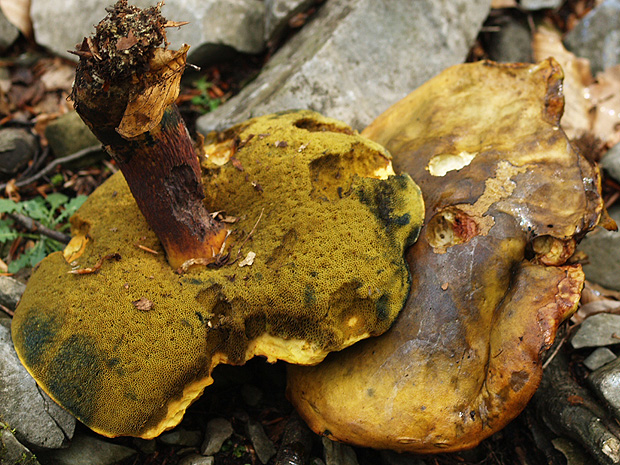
[{"x": 329, "y": 270}]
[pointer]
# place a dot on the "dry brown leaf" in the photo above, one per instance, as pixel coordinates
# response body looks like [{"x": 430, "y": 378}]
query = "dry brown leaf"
[
  {"x": 576, "y": 120},
  {"x": 605, "y": 96},
  {"x": 143, "y": 304},
  {"x": 598, "y": 306},
  {"x": 18, "y": 13},
  {"x": 125, "y": 43},
  {"x": 58, "y": 77},
  {"x": 496, "y": 4},
  {"x": 145, "y": 110}
]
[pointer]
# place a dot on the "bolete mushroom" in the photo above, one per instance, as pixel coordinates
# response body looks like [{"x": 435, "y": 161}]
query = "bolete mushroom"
[
  {"x": 507, "y": 197},
  {"x": 312, "y": 260}
]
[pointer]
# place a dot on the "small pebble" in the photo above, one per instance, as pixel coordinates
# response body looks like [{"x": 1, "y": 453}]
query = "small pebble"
[
  {"x": 218, "y": 431},
  {"x": 598, "y": 358},
  {"x": 181, "y": 437},
  {"x": 195, "y": 459},
  {"x": 598, "y": 330},
  {"x": 263, "y": 446}
]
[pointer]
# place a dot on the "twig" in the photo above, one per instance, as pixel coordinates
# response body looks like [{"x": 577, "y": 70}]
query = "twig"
[
  {"x": 248, "y": 236},
  {"x": 52, "y": 166},
  {"x": 556, "y": 350},
  {"x": 97, "y": 266},
  {"x": 36, "y": 227},
  {"x": 7, "y": 310}
]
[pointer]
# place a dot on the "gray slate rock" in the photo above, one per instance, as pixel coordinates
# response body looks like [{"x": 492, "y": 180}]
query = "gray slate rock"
[
  {"x": 17, "y": 147},
  {"x": 355, "y": 58},
  {"x": 263, "y": 446},
  {"x": 279, "y": 12},
  {"x": 8, "y": 33},
  {"x": 603, "y": 250},
  {"x": 512, "y": 43},
  {"x": 181, "y": 437},
  {"x": 195, "y": 459},
  {"x": 597, "y": 331},
  {"x": 37, "y": 420},
  {"x": 611, "y": 163},
  {"x": 540, "y": 4},
  {"x": 597, "y": 36},
  {"x": 12, "y": 452},
  {"x": 11, "y": 291},
  {"x": 337, "y": 453},
  {"x": 69, "y": 134},
  {"x": 598, "y": 358},
  {"x": 606, "y": 383},
  {"x": 237, "y": 24},
  {"x": 218, "y": 431},
  {"x": 87, "y": 450}
]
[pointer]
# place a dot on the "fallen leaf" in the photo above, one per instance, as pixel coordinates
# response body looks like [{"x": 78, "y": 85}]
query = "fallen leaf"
[
  {"x": 144, "y": 304},
  {"x": 281, "y": 144},
  {"x": 18, "y": 14},
  {"x": 576, "y": 119},
  {"x": 595, "y": 307},
  {"x": 125, "y": 43},
  {"x": 59, "y": 77},
  {"x": 162, "y": 84},
  {"x": 75, "y": 248},
  {"x": 496, "y": 4},
  {"x": 605, "y": 96},
  {"x": 248, "y": 260},
  {"x": 97, "y": 266}
]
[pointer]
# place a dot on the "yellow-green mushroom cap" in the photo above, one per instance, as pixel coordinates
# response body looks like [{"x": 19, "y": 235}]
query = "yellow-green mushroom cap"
[{"x": 126, "y": 348}]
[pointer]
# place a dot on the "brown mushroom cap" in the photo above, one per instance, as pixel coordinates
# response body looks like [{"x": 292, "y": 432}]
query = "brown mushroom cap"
[
  {"x": 127, "y": 348},
  {"x": 506, "y": 198}
]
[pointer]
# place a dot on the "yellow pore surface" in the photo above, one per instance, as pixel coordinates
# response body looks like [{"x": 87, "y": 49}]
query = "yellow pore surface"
[{"x": 126, "y": 349}]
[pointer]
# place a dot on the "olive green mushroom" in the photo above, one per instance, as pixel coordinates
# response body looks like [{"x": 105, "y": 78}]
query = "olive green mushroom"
[
  {"x": 507, "y": 197},
  {"x": 285, "y": 241}
]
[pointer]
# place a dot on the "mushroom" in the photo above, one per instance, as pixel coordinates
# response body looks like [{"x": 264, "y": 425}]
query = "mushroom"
[
  {"x": 507, "y": 198},
  {"x": 312, "y": 259}
]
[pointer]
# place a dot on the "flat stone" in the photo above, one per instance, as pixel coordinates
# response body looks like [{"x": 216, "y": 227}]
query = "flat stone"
[
  {"x": 89, "y": 450},
  {"x": 181, "y": 437},
  {"x": 213, "y": 24},
  {"x": 12, "y": 452},
  {"x": 11, "y": 291},
  {"x": 337, "y": 453},
  {"x": 603, "y": 250},
  {"x": 278, "y": 13},
  {"x": 597, "y": 36},
  {"x": 598, "y": 358},
  {"x": 195, "y": 459},
  {"x": 263, "y": 446},
  {"x": 37, "y": 420},
  {"x": 17, "y": 148},
  {"x": 69, "y": 134},
  {"x": 606, "y": 383},
  {"x": 512, "y": 43},
  {"x": 611, "y": 163},
  {"x": 218, "y": 431},
  {"x": 8, "y": 33},
  {"x": 540, "y": 4},
  {"x": 598, "y": 330},
  {"x": 357, "y": 57}
]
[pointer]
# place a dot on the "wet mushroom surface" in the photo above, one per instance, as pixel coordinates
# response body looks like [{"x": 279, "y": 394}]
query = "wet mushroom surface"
[
  {"x": 507, "y": 198},
  {"x": 314, "y": 262}
]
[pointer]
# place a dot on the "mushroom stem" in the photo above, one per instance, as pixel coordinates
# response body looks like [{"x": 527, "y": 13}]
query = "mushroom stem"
[{"x": 124, "y": 90}]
